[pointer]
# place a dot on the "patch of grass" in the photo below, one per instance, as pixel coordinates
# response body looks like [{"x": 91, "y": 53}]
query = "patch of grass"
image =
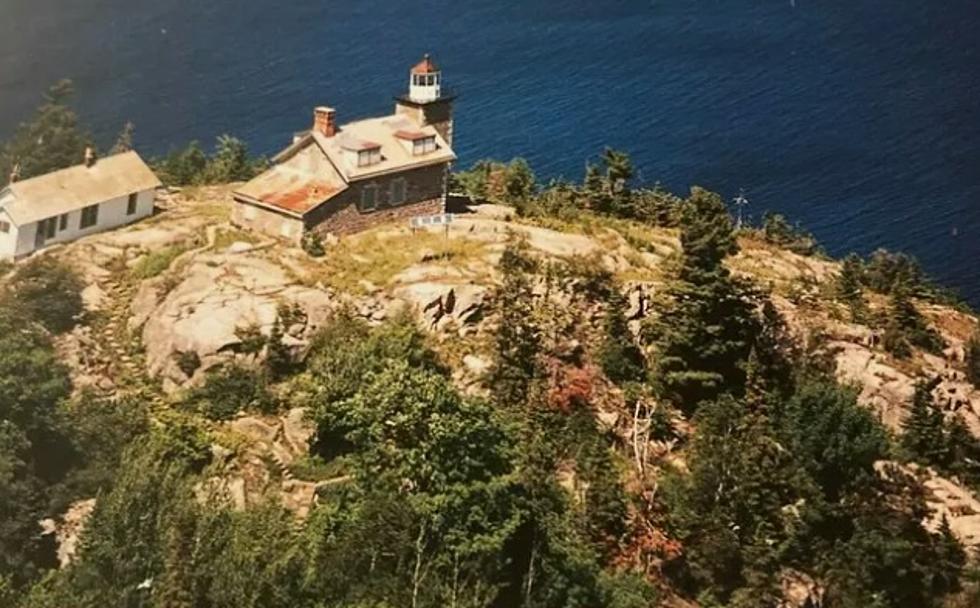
[
  {"x": 225, "y": 237},
  {"x": 378, "y": 257},
  {"x": 157, "y": 262},
  {"x": 314, "y": 468}
]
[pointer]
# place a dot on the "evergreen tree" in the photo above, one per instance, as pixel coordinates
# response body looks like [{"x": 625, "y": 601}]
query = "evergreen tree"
[
  {"x": 952, "y": 557},
  {"x": 923, "y": 429},
  {"x": 52, "y": 140},
  {"x": 518, "y": 339},
  {"x": 230, "y": 163},
  {"x": 734, "y": 512},
  {"x": 769, "y": 369},
  {"x": 278, "y": 358},
  {"x": 850, "y": 287},
  {"x": 124, "y": 141},
  {"x": 906, "y": 327},
  {"x": 519, "y": 184},
  {"x": 621, "y": 359},
  {"x": 619, "y": 170},
  {"x": 705, "y": 333},
  {"x": 972, "y": 360}
]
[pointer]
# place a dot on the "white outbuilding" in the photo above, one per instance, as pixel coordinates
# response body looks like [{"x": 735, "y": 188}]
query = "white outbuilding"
[{"x": 62, "y": 206}]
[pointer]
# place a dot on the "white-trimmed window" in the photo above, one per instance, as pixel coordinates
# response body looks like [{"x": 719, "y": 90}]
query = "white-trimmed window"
[
  {"x": 369, "y": 197},
  {"x": 366, "y": 158},
  {"x": 4, "y": 227},
  {"x": 131, "y": 203},
  {"x": 63, "y": 221},
  {"x": 396, "y": 191},
  {"x": 90, "y": 217},
  {"x": 424, "y": 145}
]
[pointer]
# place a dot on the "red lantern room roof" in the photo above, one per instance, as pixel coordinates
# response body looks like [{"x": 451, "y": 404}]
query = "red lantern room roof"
[{"x": 426, "y": 66}]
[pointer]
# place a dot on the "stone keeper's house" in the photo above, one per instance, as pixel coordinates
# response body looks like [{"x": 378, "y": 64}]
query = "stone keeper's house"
[{"x": 340, "y": 179}]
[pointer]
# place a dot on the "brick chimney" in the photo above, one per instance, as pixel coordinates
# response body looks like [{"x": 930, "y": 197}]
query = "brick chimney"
[
  {"x": 325, "y": 121},
  {"x": 89, "y": 156}
]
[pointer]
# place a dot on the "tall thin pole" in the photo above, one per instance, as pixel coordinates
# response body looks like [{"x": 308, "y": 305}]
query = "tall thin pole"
[{"x": 740, "y": 202}]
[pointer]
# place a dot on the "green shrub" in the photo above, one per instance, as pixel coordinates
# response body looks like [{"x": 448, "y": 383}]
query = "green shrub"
[
  {"x": 312, "y": 244},
  {"x": 188, "y": 361},
  {"x": 972, "y": 360},
  {"x": 157, "y": 262},
  {"x": 230, "y": 390},
  {"x": 778, "y": 231},
  {"x": 49, "y": 291}
]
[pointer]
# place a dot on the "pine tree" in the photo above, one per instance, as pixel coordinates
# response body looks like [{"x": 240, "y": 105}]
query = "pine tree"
[
  {"x": 124, "y": 142},
  {"x": 963, "y": 452},
  {"x": 518, "y": 340},
  {"x": 621, "y": 359},
  {"x": 972, "y": 360},
  {"x": 278, "y": 359},
  {"x": 923, "y": 435},
  {"x": 906, "y": 327},
  {"x": 705, "y": 333},
  {"x": 850, "y": 287},
  {"x": 769, "y": 369},
  {"x": 951, "y": 557},
  {"x": 52, "y": 140}
]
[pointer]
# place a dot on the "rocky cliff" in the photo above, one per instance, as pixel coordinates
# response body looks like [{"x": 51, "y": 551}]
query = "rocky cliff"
[{"x": 187, "y": 286}]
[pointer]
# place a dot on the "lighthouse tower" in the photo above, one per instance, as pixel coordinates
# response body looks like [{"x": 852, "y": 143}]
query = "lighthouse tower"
[{"x": 426, "y": 101}]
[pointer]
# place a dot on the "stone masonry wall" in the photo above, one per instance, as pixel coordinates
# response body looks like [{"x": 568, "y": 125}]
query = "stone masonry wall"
[
  {"x": 424, "y": 195},
  {"x": 349, "y": 220}
]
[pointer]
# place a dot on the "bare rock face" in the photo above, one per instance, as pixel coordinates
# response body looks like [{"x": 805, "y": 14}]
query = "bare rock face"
[
  {"x": 883, "y": 388},
  {"x": 216, "y": 296},
  {"x": 438, "y": 303},
  {"x": 68, "y": 530},
  {"x": 946, "y": 498},
  {"x": 800, "y": 590},
  {"x": 268, "y": 445}
]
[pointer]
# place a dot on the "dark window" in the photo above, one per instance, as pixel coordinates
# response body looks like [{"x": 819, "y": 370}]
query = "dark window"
[
  {"x": 51, "y": 227},
  {"x": 131, "y": 205},
  {"x": 63, "y": 222},
  {"x": 396, "y": 194},
  {"x": 369, "y": 197},
  {"x": 4, "y": 227},
  {"x": 90, "y": 216}
]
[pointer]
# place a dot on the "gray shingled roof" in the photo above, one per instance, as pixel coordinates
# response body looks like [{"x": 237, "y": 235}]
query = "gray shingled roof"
[{"x": 76, "y": 187}]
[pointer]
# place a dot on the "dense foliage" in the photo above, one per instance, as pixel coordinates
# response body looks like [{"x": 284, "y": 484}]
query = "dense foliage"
[
  {"x": 228, "y": 162},
  {"x": 609, "y": 463},
  {"x": 51, "y": 140}
]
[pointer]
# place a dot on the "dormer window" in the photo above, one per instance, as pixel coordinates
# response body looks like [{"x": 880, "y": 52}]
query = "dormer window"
[
  {"x": 368, "y": 157},
  {"x": 424, "y": 145}
]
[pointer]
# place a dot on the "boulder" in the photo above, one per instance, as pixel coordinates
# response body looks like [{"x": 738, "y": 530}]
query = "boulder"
[
  {"x": 800, "y": 590},
  {"x": 216, "y": 296},
  {"x": 255, "y": 429},
  {"x": 298, "y": 430}
]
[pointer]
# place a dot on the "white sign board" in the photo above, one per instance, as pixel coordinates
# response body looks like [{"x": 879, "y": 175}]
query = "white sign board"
[{"x": 421, "y": 221}]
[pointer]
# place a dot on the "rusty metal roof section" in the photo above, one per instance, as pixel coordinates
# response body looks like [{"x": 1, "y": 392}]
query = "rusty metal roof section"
[
  {"x": 289, "y": 190},
  {"x": 77, "y": 187},
  {"x": 426, "y": 66}
]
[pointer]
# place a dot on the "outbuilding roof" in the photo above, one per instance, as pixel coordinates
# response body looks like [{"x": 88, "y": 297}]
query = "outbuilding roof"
[{"x": 77, "y": 187}]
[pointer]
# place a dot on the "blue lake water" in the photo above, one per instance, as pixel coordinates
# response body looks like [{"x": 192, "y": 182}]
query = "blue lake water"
[{"x": 861, "y": 119}]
